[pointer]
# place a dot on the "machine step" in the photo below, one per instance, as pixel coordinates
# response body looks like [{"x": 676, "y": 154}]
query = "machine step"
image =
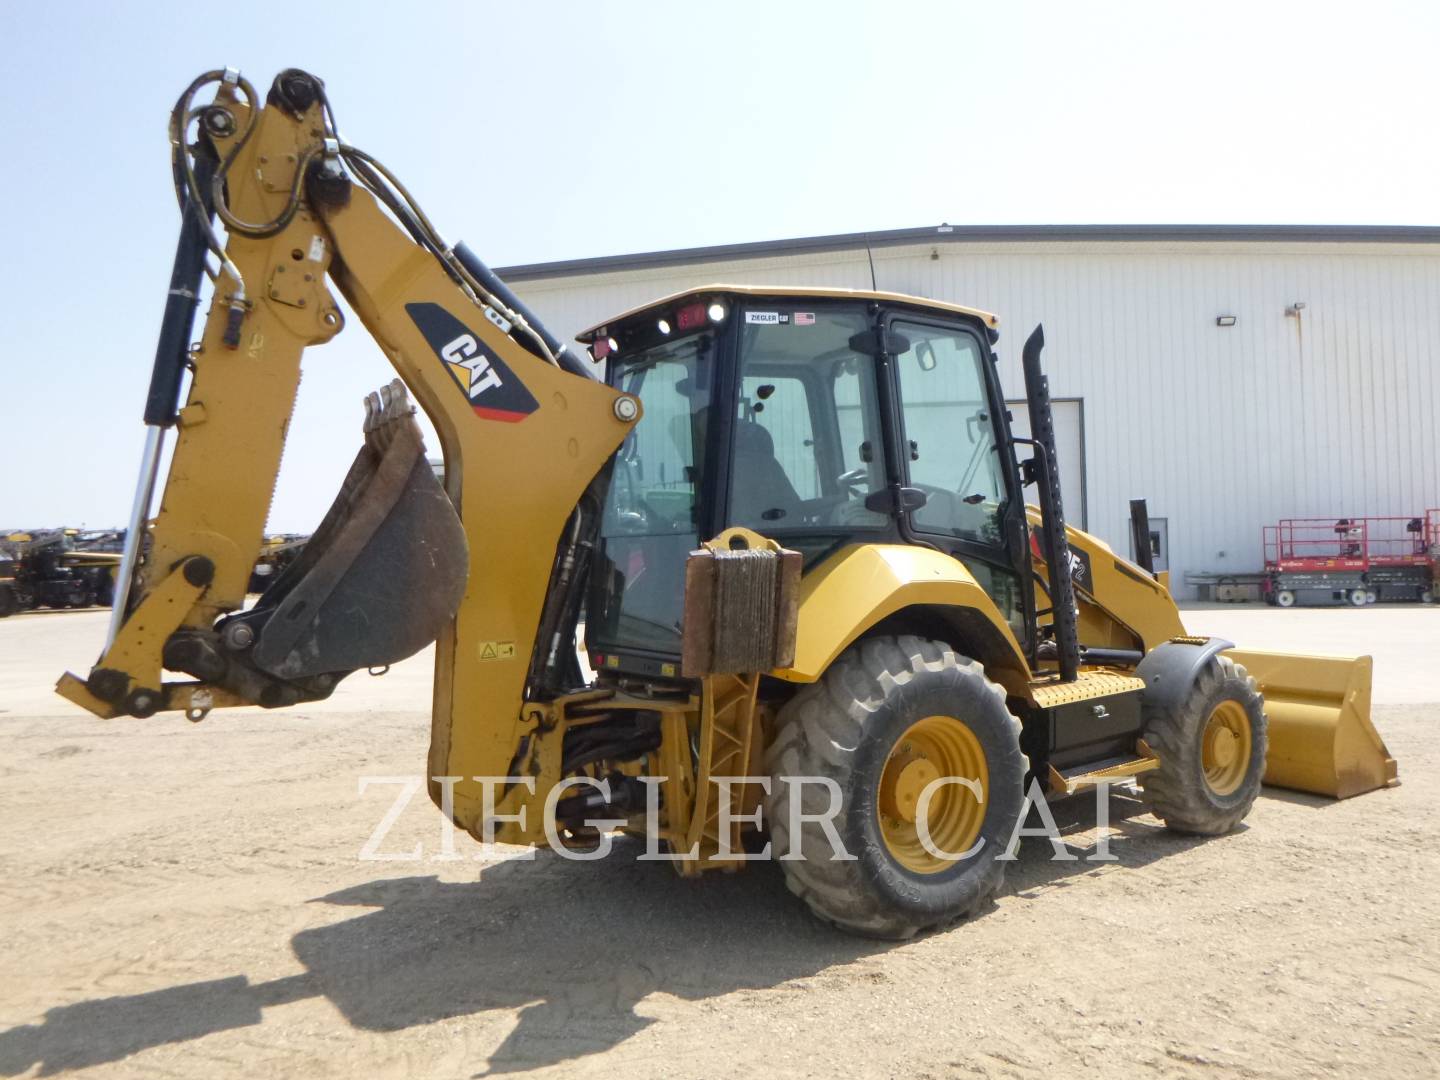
[
  {"x": 1047, "y": 692},
  {"x": 1068, "y": 781}
]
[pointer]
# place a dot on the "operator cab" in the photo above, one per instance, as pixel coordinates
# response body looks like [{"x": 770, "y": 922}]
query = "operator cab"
[{"x": 817, "y": 417}]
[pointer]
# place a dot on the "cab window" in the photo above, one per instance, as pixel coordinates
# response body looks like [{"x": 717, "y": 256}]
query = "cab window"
[
  {"x": 950, "y": 433},
  {"x": 780, "y": 404},
  {"x": 650, "y": 525},
  {"x": 807, "y": 446}
]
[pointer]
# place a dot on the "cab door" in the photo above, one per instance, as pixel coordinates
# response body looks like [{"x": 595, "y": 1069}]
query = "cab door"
[{"x": 954, "y": 452}]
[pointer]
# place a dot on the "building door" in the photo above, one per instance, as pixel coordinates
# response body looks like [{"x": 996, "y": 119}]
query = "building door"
[{"x": 1069, "y": 446}]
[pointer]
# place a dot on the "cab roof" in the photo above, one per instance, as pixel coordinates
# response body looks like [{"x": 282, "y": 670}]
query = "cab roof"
[{"x": 585, "y": 337}]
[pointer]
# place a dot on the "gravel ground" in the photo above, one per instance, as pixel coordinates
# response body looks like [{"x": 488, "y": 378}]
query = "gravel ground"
[{"x": 189, "y": 900}]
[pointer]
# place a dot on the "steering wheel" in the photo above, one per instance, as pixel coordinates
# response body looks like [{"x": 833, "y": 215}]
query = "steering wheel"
[
  {"x": 851, "y": 480},
  {"x": 631, "y": 522}
]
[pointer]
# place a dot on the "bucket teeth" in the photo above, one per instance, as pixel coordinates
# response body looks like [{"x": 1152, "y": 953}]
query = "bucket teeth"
[{"x": 384, "y": 409}]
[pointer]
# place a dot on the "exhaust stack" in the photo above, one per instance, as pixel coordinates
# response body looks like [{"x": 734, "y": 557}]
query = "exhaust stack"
[{"x": 1056, "y": 547}]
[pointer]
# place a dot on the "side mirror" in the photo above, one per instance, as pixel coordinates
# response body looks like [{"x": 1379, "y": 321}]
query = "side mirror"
[
  {"x": 873, "y": 343},
  {"x": 925, "y": 355}
]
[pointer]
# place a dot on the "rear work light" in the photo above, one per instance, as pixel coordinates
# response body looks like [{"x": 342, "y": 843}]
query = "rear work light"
[{"x": 690, "y": 316}]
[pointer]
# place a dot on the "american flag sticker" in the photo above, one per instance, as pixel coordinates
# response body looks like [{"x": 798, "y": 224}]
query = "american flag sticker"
[{"x": 804, "y": 318}]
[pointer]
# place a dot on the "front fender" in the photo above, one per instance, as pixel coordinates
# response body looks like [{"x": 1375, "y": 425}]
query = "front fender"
[{"x": 858, "y": 586}]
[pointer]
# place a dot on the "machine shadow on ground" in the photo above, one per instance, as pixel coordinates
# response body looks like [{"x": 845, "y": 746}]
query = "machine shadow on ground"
[{"x": 574, "y": 947}]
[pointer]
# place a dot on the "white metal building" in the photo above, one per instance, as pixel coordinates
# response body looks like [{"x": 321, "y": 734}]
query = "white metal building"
[{"x": 1319, "y": 399}]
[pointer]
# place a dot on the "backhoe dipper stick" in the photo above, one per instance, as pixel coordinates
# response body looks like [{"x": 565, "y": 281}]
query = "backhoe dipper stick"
[{"x": 172, "y": 352}]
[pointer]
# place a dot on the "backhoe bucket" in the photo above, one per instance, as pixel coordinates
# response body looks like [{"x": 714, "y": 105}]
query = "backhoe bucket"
[
  {"x": 384, "y": 572},
  {"x": 1321, "y": 736}
]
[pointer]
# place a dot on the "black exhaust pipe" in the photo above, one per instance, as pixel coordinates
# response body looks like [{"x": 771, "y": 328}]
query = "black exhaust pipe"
[
  {"x": 1054, "y": 545},
  {"x": 1140, "y": 536}
]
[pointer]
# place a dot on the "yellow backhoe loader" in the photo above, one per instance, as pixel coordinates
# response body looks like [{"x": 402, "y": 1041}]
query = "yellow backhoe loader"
[{"x": 816, "y": 604}]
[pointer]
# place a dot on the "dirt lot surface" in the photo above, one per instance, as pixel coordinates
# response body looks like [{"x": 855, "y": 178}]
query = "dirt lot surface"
[{"x": 189, "y": 901}]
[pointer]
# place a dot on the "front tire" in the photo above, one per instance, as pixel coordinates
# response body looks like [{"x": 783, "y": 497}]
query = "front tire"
[
  {"x": 889, "y": 717},
  {"x": 1212, "y": 752}
]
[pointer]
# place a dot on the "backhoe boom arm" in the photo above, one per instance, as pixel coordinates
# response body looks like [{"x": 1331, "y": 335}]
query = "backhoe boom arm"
[{"x": 396, "y": 563}]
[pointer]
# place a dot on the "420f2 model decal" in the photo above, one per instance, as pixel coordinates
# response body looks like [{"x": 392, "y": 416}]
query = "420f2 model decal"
[{"x": 492, "y": 389}]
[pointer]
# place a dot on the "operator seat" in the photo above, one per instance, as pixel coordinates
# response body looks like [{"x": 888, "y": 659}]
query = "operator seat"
[{"x": 760, "y": 492}]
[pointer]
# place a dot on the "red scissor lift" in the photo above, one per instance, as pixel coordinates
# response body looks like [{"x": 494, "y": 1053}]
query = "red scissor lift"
[
  {"x": 1432, "y": 546},
  {"x": 1400, "y": 559},
  {"x": 1350, "y": 560},
  {"x": 1315, "y": 562}
]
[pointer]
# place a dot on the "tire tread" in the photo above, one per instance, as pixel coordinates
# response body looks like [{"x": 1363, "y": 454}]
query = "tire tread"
[{"x": 817, "y": 734}]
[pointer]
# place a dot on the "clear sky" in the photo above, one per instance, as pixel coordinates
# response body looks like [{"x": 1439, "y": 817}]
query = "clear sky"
[{"x": 540, "y": 131}]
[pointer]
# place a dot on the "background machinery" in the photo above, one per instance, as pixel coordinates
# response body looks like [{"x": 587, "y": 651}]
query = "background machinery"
[
  {"x": 1400, "y": 561},
  {"x": 276, "y": 553},
  {"x": 1348, "y": 560},
  {"x": 57, "y": 568},
  {"x": 9, "y": 600},
  {"x": 794, "y": 521}
]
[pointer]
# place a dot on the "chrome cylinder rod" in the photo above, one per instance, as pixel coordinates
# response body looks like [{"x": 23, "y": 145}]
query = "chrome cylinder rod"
[{"x": 135, "y": 534}]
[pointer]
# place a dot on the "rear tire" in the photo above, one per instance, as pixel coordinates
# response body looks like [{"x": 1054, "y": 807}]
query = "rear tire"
[
  {"x": 1212, "y": 752},
  {"x": 851, "y": 727},
  {"x": 1284, "y": 598},
  {"x": 8, "y": 602}
]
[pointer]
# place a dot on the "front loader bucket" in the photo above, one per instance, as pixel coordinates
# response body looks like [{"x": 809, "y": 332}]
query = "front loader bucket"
[
  {"x": 1321, "y": 736},
  {"x": 383, "y": 573}
]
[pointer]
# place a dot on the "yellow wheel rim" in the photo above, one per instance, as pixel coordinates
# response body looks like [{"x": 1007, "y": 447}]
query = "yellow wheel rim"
[
  {"x": 932, "y": 748},
  {"x": 1225, "y": 748}
]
